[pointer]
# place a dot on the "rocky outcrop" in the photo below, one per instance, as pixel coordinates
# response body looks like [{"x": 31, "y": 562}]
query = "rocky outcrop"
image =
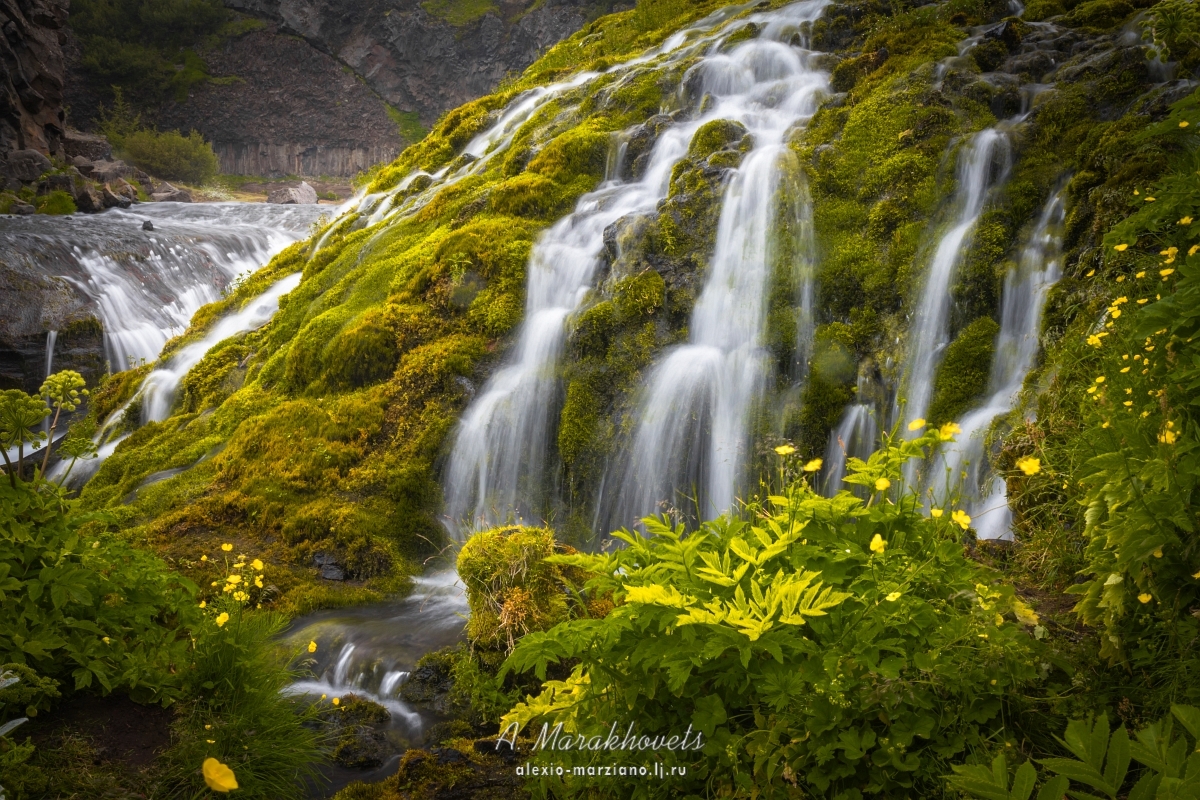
[
  {"x": 280, "y": 107},
  {"x": 31, "y": 81},
  {"x": 420, "y": 62}
]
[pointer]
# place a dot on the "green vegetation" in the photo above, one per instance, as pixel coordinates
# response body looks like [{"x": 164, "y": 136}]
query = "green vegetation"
[
  {"x": 963, "y": 376},
  {"x": 146, "y": 47},
  {"x": 409, "y": 123},
  {"x": 84, "y": 612},
  {"x": 168, "y": 155},
  {"x": 459, "y": 12}
]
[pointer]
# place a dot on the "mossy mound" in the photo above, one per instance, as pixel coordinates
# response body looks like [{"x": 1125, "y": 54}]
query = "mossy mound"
[{"x": 963, "y": 376}]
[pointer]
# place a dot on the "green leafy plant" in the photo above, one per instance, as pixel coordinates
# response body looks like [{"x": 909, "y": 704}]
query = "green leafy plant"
[
  {"x": 1101, "y": 763},
  {"x": 63, "y": 391},
  {"x": 19, "y": 415},
  {"x": 840, "y": 646}
]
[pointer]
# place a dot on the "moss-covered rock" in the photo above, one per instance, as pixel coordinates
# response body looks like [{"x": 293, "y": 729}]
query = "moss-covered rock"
[{"x": 963, "y": 376}]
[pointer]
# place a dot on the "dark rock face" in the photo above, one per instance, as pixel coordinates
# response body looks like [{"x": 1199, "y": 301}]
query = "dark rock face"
[
  {"x": 34, "y": 305},
  {"x": 286, "y": 109},
  {"x": 31, "y": 81},
  {"x": 417, "y": 61}
]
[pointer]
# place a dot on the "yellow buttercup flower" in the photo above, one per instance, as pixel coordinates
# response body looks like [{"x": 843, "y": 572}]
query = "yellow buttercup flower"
[
  {"x": 1166, "y": 272},
  {"x": 949, "y": 430},
  {"x": 1194, "y": 249},
  {"x": 936, "y": 513},
  {"x": 203, "y": 603},
  {"x": 336, "y": 701},
  {"x": 813, "y": 465},
  {"x": 1183, "y": 123},
  {"x": 785, "y": 450},
  {"x": 882, "y": 485},
  {"x": 222, "y": 618},
  {"x": 227, "y": 547},
  {"x": 962, "y": 518},
  {"x": 1121, "y": 248},
  {"x": 893, "y": 597},
  {"x": 234, "y": 580},
  {"x": 204, "y": 558},
  {"x": 219, "y": 777},
  {"x": 1100, "y": 379},
  {"x": 1185, "y": 221},
  {"x": 312, "y": 647},
  {"x": 1029, "y": 465},
  {"x": 1197, "y": 576},
  {"x": 916, "y": 424},
  {"x": 1158, "y": 553},
  {"x": 878, "y": 545},
  {"x": 257, "y": 564},
  {"x": 1144, "y": 598}
]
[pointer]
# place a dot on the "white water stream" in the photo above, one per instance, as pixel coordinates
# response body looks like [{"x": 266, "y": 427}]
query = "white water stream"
[
  {"x": 693, "y": 430},
  {"x": 497, "y": 468},
  {"x": 967, "y": 477}
]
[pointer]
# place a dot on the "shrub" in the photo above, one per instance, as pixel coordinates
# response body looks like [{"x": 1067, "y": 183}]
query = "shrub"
[
  {"x": 831, "y": 646},
  {"x": 171, "y": 155},
  {"x": 58, "y": 202}
]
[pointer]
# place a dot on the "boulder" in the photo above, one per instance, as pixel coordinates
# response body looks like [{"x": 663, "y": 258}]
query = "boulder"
[
  {"x": 87, "y": 200},
  {"x": 299, "y": 195},
  {"x": 83, "y": 164},
  {"x": 62, "y": 182},
  {"x": 169, "y": 194},
  {"x": 22, "y": 209},
  {"x": 328, "y": 567},
  {"x": 26, "y": 165},
  {"x": 111, "y": 199},
  {"x": 109, "y": 171},
  {"x": 147, "y": 225},
  {"x": 123, "y": 189},
  {"x": 88, "y": 146}
]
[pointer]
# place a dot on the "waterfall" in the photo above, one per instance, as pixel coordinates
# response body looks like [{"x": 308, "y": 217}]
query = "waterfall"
[
  {"x": 146, "y": 285},
  {"x": 497, "y": 464},
  {"x": 856, "y": 436},
  {"x": 694, "y": 414},
  {"x": 497, "y": 469},
  {"x": 984, "y": 163},
  {"x": 1025, "y": 289},
  {"x": 51, "y": 340}
]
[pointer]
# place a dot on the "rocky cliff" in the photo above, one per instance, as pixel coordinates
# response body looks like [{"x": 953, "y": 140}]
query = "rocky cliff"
[
  {"x": 431, "y": 56},
  {"x": 31, "y": 82},
  {"x": 283, "y": 107}
]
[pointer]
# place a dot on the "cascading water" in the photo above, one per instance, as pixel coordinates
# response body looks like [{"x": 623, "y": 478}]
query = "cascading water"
[
  {"x": 694, "y": 417},
  {"x": 497, "y": 466},
  {"x": 146, "y": 285},
  {"x": 983, "y": 164},
  {"x": 1025, "y": 288},
  {"x": 856, "y": 436}
]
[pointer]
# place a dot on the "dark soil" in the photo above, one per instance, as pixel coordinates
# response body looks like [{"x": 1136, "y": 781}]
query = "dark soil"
[{"x": 118, "y": 728}]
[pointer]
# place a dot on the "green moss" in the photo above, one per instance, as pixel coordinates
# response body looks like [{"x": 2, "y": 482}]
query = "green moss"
[
  {"x": 1099, "y": 14},
  {"x": 55, "y": 203},
  {"x": 827, "y": 391},
  {"x": 720, "y": 134},
  {"x": 363, "y": 353},
  {"x": 511, "y": 589},
  {"x": 459, "y": 12},
  {"x": 578, "y": 423},
  {"x": 963, "y": 376}
]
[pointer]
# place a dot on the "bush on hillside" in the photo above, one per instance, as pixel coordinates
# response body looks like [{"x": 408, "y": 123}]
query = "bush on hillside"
[{"x": 171, "y": 155}]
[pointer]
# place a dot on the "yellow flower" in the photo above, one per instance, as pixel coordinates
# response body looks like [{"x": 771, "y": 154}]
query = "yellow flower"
[
  {"x": 1144, "y": 598},
  {"x": 106, "y": 640},
  {"x": 211, "y": 741},
  {"x": 208, "y": 727},
  {"x": 1183, "y": 123},
  {"x": 1197, "y": 576},
  {"x": 1166, "y": 272},
  {"x": 1121, "y": 248},
  {"x": 1120, "y": 279},
  {"x": 336, "y": 701},
  {"x": 203, "y": 603},
  {"x": 1124, "y": 370},
  {"x": 882, "y": 485},
  {"x": 999, "y": 620},
  {"x": 227, "y": 547},
  {"x": 257, "y": 564},
  {"x": 1194, "y": 249},
  {"x": 1141, "y": 274},
  {"x": 1091, "y": 390},
  {"x": 878, "y": 545},
  {"x": 222, "y": 618},
  {"x": 961, "y": 517},
  {"x": 916, "y": 424},
  {"x": 234, "y": 580},
  {"x": 1116, "y": 313},
  {"x": 1090, "y": 273},
  {"x": 1167, "y": 437},
  {"x": 258, "y": 581},
  {"x": 312, "y": 647},
  {"x": 936, "y": 513},
  {"x": 893, "y": 597},
  {"x": 785, "y": 450},
  {"x": 1150, "y": 199},
  {"x": 1158, "y": 552},
  {"x": 219, "y": 777},
  {"x": 1029, "y": 465},
  {"x": 813, "y": 465},
  {"x": 204, "y": 558},
  {"x": 323, "y": 696},
  {"x": 1100, "y": 379},
  {"x": 1185, "y": 220},
  {"x": 949, "y": 430},
  {"x": 1127, "y": 403}
]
